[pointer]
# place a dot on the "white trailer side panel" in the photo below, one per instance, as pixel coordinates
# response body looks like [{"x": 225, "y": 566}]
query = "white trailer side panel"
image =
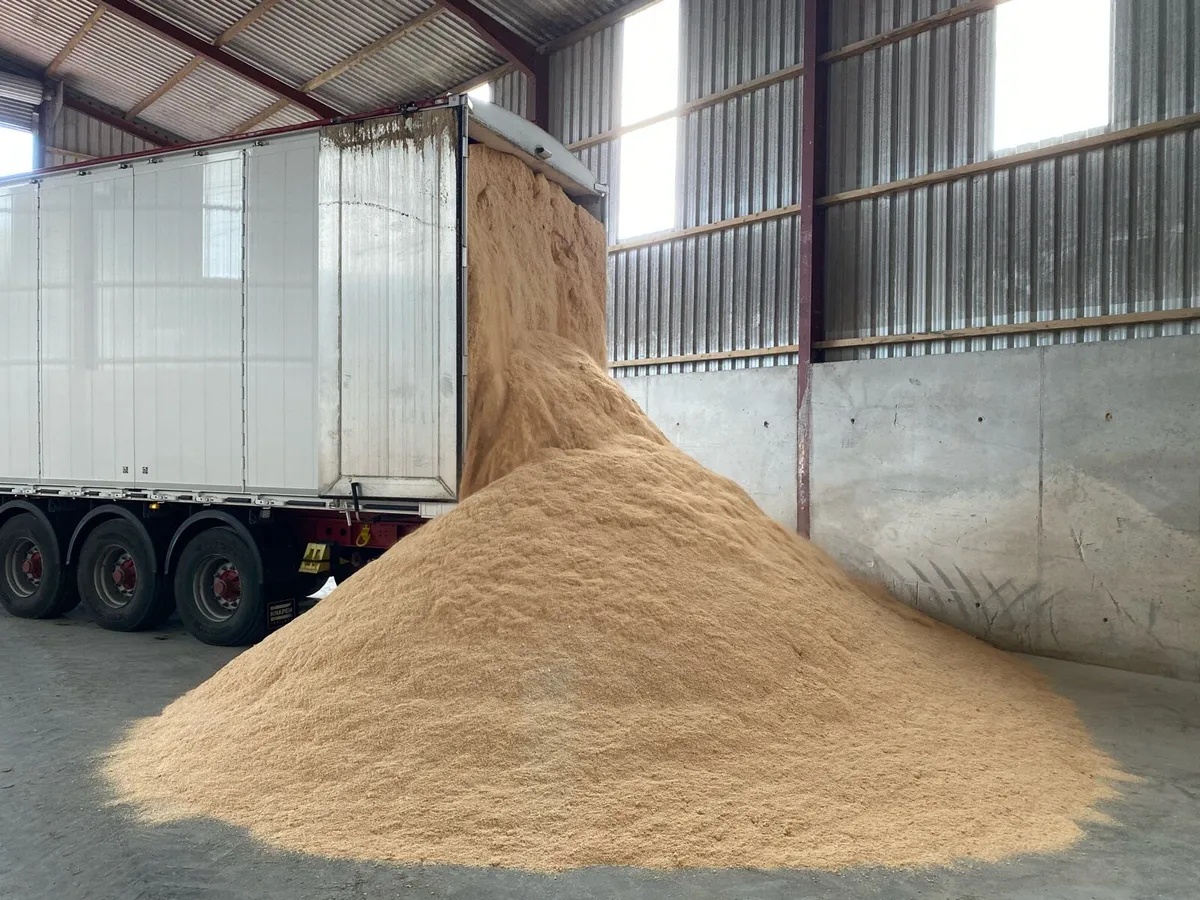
[
  {"x": 18, "y": 333},
  {"x": 396, "y": 193},
  {"x": 87, "y": 396},
  {"x": 187, "y": 332},
  {"x": 276, "y": 320},
  {"x": 281, "y": 316}
]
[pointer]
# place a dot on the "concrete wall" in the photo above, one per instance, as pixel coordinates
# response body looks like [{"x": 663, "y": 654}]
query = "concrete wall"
[
  {"x": 1047, "y": 500},
  {"x": 740, "y": 423}
]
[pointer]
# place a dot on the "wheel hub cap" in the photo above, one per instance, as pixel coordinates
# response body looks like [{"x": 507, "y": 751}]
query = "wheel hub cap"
[
  {"x": 32, "y": 566},
  {"x": 124, "y": 574},
  {"x": 227, "y": 585}
]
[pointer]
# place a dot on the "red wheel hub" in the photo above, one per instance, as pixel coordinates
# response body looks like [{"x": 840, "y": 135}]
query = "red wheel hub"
[
  {"x": 32, "y": 564},
  {"x": 124, "y": 574},
  {"x": 228, "y": 584}
]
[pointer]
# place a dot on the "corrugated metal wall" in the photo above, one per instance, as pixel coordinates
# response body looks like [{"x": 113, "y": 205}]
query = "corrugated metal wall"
[
  {"x": 15, "y": 114},
  {"x": 84, "y": 137},
  {"x": 729, "y": 289},
  {"x": 1101, "y": 232},
  {"x": 856, "y": 20},
  {"x": 19, "y": 100},
  {"x": 512, "y": 92},
  {"x": 585, "y": 100}
]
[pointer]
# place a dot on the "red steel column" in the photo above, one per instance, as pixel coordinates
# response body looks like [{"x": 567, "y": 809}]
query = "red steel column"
[{"x": 811, "y": 244}]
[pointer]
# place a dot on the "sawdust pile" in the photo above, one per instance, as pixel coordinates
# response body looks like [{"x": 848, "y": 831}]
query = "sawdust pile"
[{"x": 610, "y": 655}]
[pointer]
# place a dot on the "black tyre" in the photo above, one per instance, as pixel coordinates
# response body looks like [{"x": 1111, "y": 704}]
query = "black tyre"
[
  {"x": 33, "y": 581},
  {"x": 219, "y": 589},
  {"x": 117, "y": 579}
]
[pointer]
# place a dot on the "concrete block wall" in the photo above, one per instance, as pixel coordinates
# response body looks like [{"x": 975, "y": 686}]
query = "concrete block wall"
[
  {"x": 740, "y": 423},
  {"x": 1046, "y": 500}
]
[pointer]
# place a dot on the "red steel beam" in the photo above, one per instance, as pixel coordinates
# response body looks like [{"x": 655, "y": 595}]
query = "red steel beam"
[
  {"x": 503, "y": 39},
  {"x": 201, "y": 47},
  {"x": 116, "y": 118},
  {"x": 811, "y": 276},
  {"x": 523, "y": 53}
]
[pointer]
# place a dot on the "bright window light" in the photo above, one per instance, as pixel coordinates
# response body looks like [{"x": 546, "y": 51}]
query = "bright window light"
[
  {"x": 649, "y": 87},
  {"x": 650, "y": 62},
  {"x": 16, "y": 151},
  {"x": 647, "y": 195},
  {"x": 1052, "y": 69},
  {"x": 482, "y": 93}
]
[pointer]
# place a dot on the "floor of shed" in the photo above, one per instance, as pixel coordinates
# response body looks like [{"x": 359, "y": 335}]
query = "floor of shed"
[{"x": 67, "y": 689}]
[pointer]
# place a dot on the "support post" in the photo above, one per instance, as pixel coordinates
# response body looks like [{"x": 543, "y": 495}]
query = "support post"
[
  {"x": 522, "y": 53},
  {"x": 811, "y": 245},
  {"x": 539, "y": 94},
  {"x": 502, "y": 39}
]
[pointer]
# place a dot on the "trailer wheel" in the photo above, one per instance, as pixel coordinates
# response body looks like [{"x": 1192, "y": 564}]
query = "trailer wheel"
[
  {"x": 33, "y": 581},
  {"x": 117, "y": 579},
  {"x": 219, "y": 589}
]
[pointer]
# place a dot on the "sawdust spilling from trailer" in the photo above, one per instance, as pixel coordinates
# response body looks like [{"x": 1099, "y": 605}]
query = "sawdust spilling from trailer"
[{"x": 608, "y": 655}]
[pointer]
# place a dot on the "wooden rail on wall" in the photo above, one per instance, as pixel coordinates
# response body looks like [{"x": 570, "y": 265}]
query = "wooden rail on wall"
[
  {"x": 912, "y": 29},
  {"x": 765, "y": 216},
  {"x": 1139, "y": 132},
  {"x": 1154, "y": 317},
  {"x": 858, "y": 48},
  {"x": 1125, "y": 135},
  {"x": 692, "y": 106}
]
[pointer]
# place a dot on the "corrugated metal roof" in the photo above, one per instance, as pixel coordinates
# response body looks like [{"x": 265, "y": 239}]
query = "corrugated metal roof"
[
  {"x": 121, "y": 63},
  {"x": 451, "y": 54},
  {"x": 289, "y": 115},
  {"x": 211, "y": 100},
  {"x": 544, "y": 20},
  {"x": 36, "y": 30},
  {"x": 207, "y": 18},
  {"x": 299, "y": 39}
]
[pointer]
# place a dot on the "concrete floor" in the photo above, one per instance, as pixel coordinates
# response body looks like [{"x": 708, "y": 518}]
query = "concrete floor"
[{"x": 67, "y": 689}]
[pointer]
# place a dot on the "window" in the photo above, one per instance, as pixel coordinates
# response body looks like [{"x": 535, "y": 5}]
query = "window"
[
  {"x": 481, "y": 93},
  {"x": 16, "y": 151},
  {"x": 649, "y": 87},
  {"x": 1052, "y": 69}
]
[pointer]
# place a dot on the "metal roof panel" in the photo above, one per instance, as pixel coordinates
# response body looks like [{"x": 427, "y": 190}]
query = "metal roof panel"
[
  {"x": 120, "y": 62},
  {"x": 208, "y": 103}
]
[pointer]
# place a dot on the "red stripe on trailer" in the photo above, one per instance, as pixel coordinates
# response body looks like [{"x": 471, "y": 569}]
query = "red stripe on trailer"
[{"x": 366, "y": 534}]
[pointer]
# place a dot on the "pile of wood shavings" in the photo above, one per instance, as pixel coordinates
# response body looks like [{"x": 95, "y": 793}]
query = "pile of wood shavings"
[{"x": 608, "y": 655}]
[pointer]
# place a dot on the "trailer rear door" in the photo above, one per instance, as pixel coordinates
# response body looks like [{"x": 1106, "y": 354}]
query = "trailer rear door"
[{"x": 389, "y": 260}]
